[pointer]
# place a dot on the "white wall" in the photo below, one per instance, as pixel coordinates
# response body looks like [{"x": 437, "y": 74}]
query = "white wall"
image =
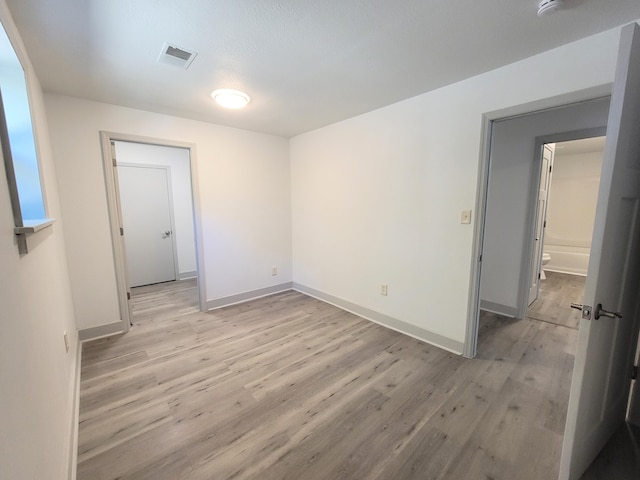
[
  {"x": 243, "y": 184},
  {"x": 37, "y": 376},
  {"x": 377, "y": 198},
  {"x": 177, "y": 159},
  {"x": 571, "y": 211}
]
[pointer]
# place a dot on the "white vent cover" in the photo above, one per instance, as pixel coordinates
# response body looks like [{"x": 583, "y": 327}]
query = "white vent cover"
[{"x": 176, "y": 56}]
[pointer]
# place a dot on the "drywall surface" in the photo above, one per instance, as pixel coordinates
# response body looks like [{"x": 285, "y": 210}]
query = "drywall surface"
[
  {"x": 511, "y": 196},
  {"x": 572, "y": 210},
  {"x": 377, "y": 199},
  {"x": 242, "y": 184},
  {"x": 37, "y": 375},
  {"x": 177, "y": 159}
]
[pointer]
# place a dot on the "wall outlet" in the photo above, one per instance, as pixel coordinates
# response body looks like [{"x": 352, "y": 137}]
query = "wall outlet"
[
  {"x": 66, "y": 341},
  {"x": 274, "y": 271},
  {"x": 384, "y": 289},
  {"x": 465, "y": 217}
]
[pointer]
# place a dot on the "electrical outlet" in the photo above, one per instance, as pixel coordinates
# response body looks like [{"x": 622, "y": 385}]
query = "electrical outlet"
[
  {"x": 66, "y": 341},
  {"x": 465, "y": 217},
  {"x": 384, "y": 289},
  {"x": 274, "y": 271}
]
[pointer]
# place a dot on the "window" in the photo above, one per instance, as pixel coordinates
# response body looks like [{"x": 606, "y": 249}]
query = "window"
[{"x": 18, "y": 146}]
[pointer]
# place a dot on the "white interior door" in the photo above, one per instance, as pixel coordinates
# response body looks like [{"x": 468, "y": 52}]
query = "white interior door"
[
  {"x": 147, "y": 220},
  {"x": 604, "y": 357},
  {"x": 541, "y": 215}
]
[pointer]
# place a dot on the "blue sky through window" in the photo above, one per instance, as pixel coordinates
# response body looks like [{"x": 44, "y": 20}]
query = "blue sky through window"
[{"x": 21, "y": 139}]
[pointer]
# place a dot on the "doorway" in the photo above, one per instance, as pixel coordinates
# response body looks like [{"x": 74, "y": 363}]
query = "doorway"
[
  {"x": 511, "y": 191},
  {"x": 158, "y": 180},
  {"x": 564, "y": 228}
]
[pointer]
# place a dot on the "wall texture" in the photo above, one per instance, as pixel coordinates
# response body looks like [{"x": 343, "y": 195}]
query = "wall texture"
[
  {"x": 377, "y": 198},
  {"x": 37, "y": 375},
  {"x": 243, "y": 185}
]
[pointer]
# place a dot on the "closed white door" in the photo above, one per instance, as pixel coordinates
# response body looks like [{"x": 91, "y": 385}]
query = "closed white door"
[
  {"x": 146, "y": 216},
  {"x": 606, "y": 345},
  {"x": 541, "y": 215}
]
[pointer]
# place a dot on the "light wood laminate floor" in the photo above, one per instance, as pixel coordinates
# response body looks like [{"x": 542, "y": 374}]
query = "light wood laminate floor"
[
  {"x": 289, "y": 387},
  {"x": 556, "y": 293}
]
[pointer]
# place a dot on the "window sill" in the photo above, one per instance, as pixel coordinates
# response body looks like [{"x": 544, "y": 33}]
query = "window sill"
[
  {"x": 33, "y": 226},
  {"x": 29, "y": 227}
]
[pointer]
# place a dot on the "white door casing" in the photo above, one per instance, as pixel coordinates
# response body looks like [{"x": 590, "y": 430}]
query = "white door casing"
[
  {"x": 148, "y": 223},
  {"x": 541, "y": 216},
  {"x": 604, "y": 357}
]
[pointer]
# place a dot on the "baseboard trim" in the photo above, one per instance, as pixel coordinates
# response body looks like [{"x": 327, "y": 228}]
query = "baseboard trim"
[
  {"x": 94, "y": 333},
  {"x": 405, "y": 328},
  {"x": 246, "y": 296},
  {"x": 185, "y": 275},
  {"x": 499, "y": 309},
  {"x": 75, "y": 416},
  {"x": 566, "y": 271}
]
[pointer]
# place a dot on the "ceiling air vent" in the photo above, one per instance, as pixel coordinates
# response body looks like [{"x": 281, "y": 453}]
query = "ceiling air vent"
[{"x": 176, "y": 56}]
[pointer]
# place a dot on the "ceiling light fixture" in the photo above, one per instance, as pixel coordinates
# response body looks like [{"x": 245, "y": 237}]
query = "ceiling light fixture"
[
  {"x": 547, "y": 7},
  {"x": 228, "y": 98}
]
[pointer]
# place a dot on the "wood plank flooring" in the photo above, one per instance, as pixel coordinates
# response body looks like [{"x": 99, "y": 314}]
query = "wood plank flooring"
[
  {"x": 556, "y": 293},
  {"x": 289, "y": 387}
]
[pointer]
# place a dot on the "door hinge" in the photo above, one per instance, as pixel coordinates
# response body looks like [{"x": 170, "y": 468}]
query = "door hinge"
[
  {"x": 544, "y": 225},
  {"x": 550, "y": 168},
  {"x": 128, "y": 295},
  {"x": 634, "y": 372},
  {"x": 480, "y": 258},
  {"x": 121, "y": 231},
  {"x": 539, "y": 276}
]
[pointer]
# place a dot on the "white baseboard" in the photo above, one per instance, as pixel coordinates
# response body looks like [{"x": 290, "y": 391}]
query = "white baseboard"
[
  {"x": 405, "y": 328},
  {"x": 567, "y": 271},
  {"x": 498, "y": 308},
  {"x": 185, "y": 275},
  {"x": 94, "y": 333},
  {"x": 75, "y": 416},
  {"x": 246, "y": 296}
]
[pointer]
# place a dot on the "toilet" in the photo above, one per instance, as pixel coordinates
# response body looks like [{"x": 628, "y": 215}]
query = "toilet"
[{"x": 546, "y": 258}]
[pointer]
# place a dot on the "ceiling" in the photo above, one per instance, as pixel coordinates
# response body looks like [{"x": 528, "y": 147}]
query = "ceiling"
[
  {"x": 305, "y": 63},
  {"x": 577, "y": 147}
]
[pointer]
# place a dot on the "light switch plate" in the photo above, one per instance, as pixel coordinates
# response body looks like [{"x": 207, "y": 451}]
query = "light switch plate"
[{"x": 465, "y": 217}]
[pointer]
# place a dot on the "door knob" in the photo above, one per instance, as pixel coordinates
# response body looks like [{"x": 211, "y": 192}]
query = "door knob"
[{"x": 601, "y": 312}]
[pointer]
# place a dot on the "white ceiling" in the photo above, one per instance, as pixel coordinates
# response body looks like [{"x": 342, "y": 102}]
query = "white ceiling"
[
  {"x": 577, "y": 147},
  {"x": 305, "y": 63}
]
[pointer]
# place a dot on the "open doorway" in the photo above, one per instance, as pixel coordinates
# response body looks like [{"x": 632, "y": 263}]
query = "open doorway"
[
  {"x": 152, "y": 196},
  {"x": 512, "y": 184},
  {"x": 566, "y": 209}
]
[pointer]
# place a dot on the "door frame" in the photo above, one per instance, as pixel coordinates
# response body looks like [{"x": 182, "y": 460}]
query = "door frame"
[
  {"x": 488, "y": 120},
  {"x": 172, "y": 223},
  {"x": 115, "y": 216}
]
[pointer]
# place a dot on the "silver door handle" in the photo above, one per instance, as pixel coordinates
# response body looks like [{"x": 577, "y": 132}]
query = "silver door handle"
[
  {"x": 601, "y": 312},
  {"x": 166, "y": 234}
]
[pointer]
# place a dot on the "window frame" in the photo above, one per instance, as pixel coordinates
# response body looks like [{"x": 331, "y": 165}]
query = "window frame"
[{"x": 22, "y": 227}]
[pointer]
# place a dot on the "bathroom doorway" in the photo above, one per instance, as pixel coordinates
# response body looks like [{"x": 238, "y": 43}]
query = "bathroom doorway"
[{"x": 567, "y": 216}]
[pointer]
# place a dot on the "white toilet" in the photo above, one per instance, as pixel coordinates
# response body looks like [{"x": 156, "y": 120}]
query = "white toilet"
[{"x": 546, "y": 258}]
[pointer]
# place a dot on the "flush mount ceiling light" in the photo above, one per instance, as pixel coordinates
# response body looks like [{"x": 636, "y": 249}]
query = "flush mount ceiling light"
[
  {"x": 547, "y": 7},
  {"x": 228, "y": 98}
]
